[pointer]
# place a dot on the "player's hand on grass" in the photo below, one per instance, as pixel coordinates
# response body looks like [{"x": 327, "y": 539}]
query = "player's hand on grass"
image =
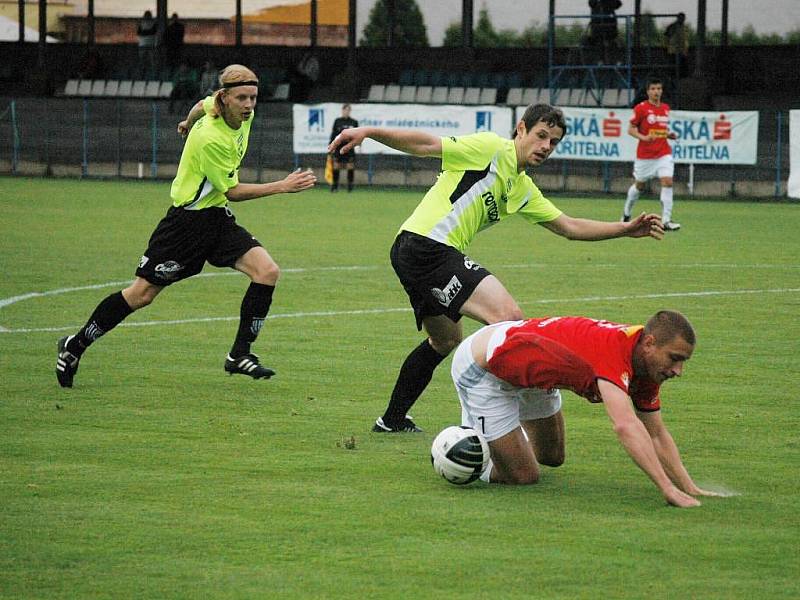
[
  {"x": 645, "y": 225},
  {"x": 347, "y": 140},
  {"x": 696, "y": 491},
  {"x": 299, "y": 180},
  {"x": 676, "y": 497}
]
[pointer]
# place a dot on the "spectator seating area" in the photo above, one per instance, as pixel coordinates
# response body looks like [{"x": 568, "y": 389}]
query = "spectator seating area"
[
  {"x": 140, "y": 84},
  {"x": 438, "y": 87}
]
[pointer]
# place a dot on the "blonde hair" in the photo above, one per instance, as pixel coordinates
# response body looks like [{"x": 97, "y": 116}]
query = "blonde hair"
[{"x": 230, "y": 75}]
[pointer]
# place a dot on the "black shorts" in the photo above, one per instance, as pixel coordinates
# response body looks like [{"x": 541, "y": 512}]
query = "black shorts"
[
  {"x": 437, "y": 278},
  {"x": 344, "y": 159},
  {"x": 185, "y": 240}
]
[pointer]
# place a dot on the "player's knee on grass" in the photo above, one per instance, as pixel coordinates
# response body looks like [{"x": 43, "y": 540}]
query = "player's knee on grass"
[
  {"x": 552, "y": 457},
  {"x": 516, "y": 476}
]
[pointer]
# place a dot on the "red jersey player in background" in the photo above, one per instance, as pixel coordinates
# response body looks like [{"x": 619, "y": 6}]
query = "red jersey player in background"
[
  {"x": 508, "y": 376},
  {"x": 650, "y": 125}
]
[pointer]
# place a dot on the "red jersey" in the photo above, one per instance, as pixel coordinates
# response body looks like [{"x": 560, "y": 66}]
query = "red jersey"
[
  {"x": 649, "y": 118},
  {"x": 573, "y": 353}
]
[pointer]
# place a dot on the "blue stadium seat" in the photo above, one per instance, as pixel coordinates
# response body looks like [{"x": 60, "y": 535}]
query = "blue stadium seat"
[
  {"x": 421, "y": 77},
  {"x": 436, "y": 78},
  {"x": 406, "y": 77}
]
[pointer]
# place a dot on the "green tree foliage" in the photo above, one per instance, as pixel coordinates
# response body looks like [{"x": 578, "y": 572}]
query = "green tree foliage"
[{"x": 409, "y": 30}]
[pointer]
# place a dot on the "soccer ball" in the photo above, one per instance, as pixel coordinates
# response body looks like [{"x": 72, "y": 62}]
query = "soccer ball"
[{"x": 459, "y": 454}]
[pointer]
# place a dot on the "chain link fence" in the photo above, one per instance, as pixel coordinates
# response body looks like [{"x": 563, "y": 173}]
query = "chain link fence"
[{"x": 113, "y": 138}]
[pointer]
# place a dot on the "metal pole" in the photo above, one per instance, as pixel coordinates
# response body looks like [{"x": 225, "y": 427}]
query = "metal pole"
[
  {"x": 15, "y": 143},
  {"x": 467, "y": 18},
  {"x": 779, "y": 156},
  {"x": 85, "y": 152},
  {"x": 551, "y": 42},
  {"x": 21, "y": 21},
  {"x": 119, "y": 138},
  {"x": 48, "y": 170},
  {"x": 369, "y": 169},
  {"x": 391, "y": 9},
  {"x": 238, "y": 33},
  {"x": 154, "y": 163},
  {"x": 724, "y": 37},
  {"x": 90, "y": 19},
  {"x": 42, "y": 60},
  {"x": 313, "y": 24},
  {"x": 296, "y": 161},
  {"x": 606, "y": 178}
]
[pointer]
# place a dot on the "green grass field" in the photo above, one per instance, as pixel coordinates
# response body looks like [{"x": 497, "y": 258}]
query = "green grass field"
[{"x": 158, "y": 476}]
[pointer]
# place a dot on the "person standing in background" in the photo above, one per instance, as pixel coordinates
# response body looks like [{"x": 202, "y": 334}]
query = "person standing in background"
[{"x": 346, "y": 160}]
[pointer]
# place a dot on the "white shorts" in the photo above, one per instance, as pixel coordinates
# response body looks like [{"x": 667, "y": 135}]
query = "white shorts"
[
  {"x": 491, "y": 406},
  {"x": 645, "y": 169}
]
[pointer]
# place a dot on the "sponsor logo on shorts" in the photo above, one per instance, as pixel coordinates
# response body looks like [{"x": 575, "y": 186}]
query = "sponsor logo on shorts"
[
  {"x": 143, "y": 261},
  {"x": 471, "y": 264},
  {"x": 168, "y": 270},
  {"x": 445, "y": 296}
]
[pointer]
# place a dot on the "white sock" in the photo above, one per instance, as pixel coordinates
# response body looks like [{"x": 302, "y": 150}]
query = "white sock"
[
  {"x": 487, "y": 472},
  {"x": 633, "y": 196},
  {"x": 666, "y": 204}
]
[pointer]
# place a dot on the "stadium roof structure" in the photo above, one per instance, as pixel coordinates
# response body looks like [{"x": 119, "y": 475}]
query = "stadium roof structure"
[{"x": 9, "y": 32}]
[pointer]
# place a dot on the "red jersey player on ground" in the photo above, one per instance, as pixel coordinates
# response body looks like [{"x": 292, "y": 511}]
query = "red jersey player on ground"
[
  {"x": 508, "y": 376},
  {"x": 650, "y": 125}
]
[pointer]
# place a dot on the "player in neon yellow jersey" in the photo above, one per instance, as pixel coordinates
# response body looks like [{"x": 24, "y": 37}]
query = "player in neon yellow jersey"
[
  {"x": 483, "y": 181},
  {"x": 199, "y": 227}
]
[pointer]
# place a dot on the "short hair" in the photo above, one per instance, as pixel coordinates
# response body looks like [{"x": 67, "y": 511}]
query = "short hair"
[
  {"x": 653, "y": 81},
  {"x": 230, "y": 74},
  {"x": 666, "y": 324},
  {"x": 550, "y": 115},
  {"x": 346, "y": 105}
]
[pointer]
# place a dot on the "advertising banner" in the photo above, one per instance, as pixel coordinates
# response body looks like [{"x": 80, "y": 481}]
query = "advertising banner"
[
  {"x": 703, "y": 137},
  {"x": 793, "y": 187},
  {"x": 313, "y": 122}
]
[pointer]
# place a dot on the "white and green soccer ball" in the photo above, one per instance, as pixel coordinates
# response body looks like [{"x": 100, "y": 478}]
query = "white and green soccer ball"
[{"x": 459, "y": 454}]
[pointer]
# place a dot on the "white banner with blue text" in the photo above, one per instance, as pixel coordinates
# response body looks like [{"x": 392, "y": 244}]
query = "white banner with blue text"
[
  {"x": 703, "y": 137},
  {"x": 313, "y": 122}
]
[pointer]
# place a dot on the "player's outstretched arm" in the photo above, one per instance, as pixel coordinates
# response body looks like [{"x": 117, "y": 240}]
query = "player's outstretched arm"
[
  {"x": 413, "y": 142},
  {"x": 296, "y": 181},
  {"x": 589, "y": 230},
  {"x": 668, "y": 454},
  {"x": 185, "y": 126},
  {"x": 634, "y": 437}
]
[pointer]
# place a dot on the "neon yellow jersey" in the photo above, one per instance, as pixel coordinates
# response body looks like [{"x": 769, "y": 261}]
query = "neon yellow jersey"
[
  {"x": 210, "y": 161},
  {"x": 479, "y": 186}
]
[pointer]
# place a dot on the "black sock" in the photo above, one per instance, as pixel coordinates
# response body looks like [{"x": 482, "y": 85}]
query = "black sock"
[
  {"x": 350, "y": 176},
  {"x": 255, "y": 306},
  {"x": 108, "y": 314},
  {"x": 415, "y": 375},
  {"x": 335, "y": 179}
]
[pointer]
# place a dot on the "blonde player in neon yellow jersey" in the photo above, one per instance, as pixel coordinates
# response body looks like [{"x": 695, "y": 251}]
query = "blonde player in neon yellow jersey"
[{"x": 199, "y": 227}]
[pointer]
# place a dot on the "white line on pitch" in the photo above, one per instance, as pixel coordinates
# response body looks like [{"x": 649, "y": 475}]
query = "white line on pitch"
[
  {"x": 14, "y": 299},
  {"x": 372, "y": 311}
]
